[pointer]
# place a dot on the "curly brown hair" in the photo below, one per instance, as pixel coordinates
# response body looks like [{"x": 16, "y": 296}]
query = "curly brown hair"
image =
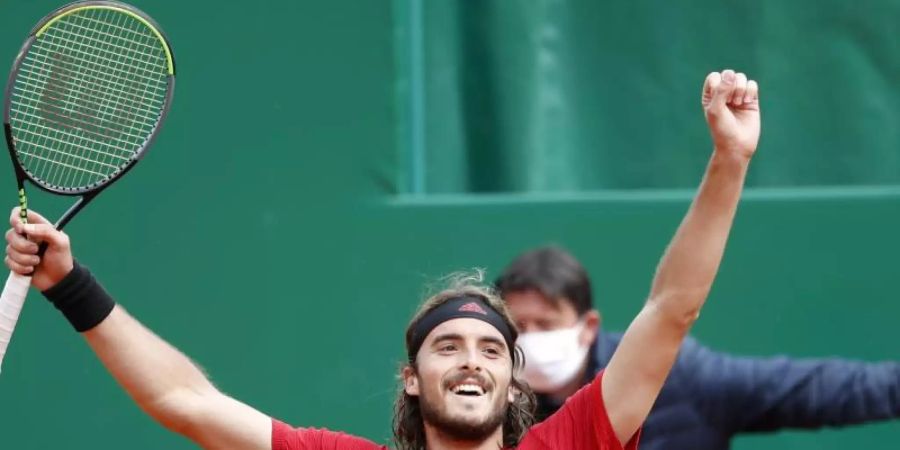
[{"x": 408, "y": 423}]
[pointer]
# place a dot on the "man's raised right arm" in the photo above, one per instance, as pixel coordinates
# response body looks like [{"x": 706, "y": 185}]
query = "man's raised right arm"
[
  {"x": 163, "y": 382},
  {"x": 639, "y": 367}
]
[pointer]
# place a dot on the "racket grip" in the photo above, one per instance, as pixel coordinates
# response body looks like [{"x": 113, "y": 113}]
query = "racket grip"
[{"x": 11, "y": 301}]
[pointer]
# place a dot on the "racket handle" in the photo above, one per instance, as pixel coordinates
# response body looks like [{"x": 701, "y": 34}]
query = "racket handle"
[{"x": 11, "y": 301}]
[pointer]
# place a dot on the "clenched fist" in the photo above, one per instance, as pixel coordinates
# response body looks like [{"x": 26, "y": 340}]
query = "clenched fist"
[{"x": 731, "y": 105}]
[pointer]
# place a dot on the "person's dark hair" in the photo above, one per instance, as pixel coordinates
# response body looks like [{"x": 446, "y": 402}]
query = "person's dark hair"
[
  {"x": 408, "y": 423},
  {"x": 553, "y": 272}
]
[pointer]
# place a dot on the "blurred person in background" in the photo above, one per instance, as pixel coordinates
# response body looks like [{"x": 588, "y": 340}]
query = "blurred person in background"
[{"x": 709, "y": 396}]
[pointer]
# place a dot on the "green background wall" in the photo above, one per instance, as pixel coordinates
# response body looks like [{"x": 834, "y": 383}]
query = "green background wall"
[
  {"x": 292, "y": 260},
  {"x": 573, "y": 95}
]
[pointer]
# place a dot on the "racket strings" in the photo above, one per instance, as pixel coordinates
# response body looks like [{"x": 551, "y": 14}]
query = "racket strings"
[
  {"x": 88, "y": 95},
  {"x": 64, "y": 66},
  {"x": 55, "y": 106},
  {"x": 98, "y": 56},
  {"x": 78, "y": 159}
]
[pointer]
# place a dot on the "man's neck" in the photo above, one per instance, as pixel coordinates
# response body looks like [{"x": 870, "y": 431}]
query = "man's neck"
[{"x": 436, "y": 440}]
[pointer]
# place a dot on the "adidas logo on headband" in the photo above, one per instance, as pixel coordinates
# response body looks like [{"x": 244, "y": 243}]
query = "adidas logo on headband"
[{"x": 472, "y": 307}]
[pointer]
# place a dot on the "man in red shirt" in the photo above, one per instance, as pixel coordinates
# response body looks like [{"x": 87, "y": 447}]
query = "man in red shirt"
[{"x": 460, "y": 386}]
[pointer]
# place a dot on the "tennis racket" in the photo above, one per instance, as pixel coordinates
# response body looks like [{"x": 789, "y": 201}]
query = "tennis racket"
[{"x": 85, "y": 99}]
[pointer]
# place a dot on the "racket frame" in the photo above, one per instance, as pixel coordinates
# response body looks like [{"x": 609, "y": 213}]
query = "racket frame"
[
  {"x": 14, "y": 292},
  {"x": 87, "y": 193}
]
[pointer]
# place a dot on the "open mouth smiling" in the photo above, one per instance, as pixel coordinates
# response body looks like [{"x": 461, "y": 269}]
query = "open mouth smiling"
[{"x": 468, "y": 388}]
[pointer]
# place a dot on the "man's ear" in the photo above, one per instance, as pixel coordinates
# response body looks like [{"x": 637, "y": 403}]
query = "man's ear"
[
  {"x": 513, "y": 393},
  {"x": 591, "y": 327},
  {"x": 410, "y": 381}
]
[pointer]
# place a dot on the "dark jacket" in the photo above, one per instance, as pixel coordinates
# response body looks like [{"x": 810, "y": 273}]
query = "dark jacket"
[{"x": 709, "y": 397}]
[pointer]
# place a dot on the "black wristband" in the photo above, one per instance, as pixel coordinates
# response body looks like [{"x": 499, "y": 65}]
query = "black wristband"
[{"x": 81, "y": 299}]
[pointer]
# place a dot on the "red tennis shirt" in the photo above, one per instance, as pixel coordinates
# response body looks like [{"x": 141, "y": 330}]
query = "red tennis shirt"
[{"x": 581, "y": 424}]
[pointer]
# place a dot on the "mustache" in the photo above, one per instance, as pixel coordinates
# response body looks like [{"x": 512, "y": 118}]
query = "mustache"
[{"x": 461, "y": 377}]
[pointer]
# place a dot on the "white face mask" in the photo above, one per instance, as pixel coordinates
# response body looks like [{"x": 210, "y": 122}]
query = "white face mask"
[{"x": 552, "y": 358}]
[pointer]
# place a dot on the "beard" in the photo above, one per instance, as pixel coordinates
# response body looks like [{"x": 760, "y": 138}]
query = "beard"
[{"x": 460, "y": 428}]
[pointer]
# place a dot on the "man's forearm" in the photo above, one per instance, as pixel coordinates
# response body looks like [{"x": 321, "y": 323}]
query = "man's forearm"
[
  {"x": 688, "y": 268},
  {"x": 781, "y": 392},
  {"x": 163, "y": 381},
  {"x": 159, "y": 378},
  {"x": 636, "y": 372},
  {"x": 649, "y": 347}
]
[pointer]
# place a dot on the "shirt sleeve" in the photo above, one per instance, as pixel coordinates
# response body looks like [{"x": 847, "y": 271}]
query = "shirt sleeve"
[
  {"x": 743, "y": 394},
  {"x": 285, "y": 437},
  {"x": 581, "y": 423}
]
